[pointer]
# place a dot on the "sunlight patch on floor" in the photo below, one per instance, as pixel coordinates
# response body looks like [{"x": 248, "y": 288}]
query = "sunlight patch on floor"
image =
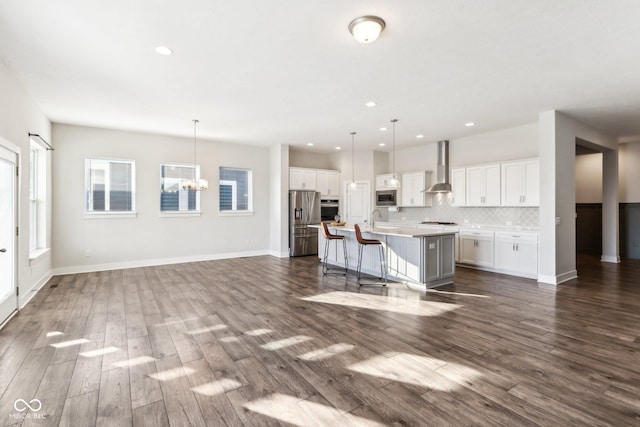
[
  {"x": 54, "y": 334},
  {"x": 99, "y": 352},
  {"x": 291, "y": 410},
  {"x": 436, "y": 291},
  {"x": 414, "y": 307},
  {"x": 217, "y": 387},
  {"x": 422, "y": 371},
  {"x": 172, "y": 374},
  {"x": 286, "y": 342},
  {"x": 70, "y": 343},
  {"x": 327, "y": 352},
  {"x": 258, "y": 332},
  {"x": 134, "y": 362},
  {"x": 230, "y": 339},
  {"x": 207, "y": 329}
]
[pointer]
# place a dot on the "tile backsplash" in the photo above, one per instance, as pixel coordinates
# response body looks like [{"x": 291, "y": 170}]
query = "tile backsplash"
[{"x": 443, "y": 211}]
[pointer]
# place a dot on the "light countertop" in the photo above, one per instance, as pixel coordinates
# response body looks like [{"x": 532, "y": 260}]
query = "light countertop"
[{"x": 390, "y": 230}]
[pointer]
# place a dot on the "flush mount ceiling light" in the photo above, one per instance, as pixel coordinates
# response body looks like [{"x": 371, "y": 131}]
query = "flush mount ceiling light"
[
  {"x": 383, "y": 129},
  {"x": 338, "y": 148},
  {"x": 197, "y": 183},
  {"x": 366, "y": 29},
  {"x": 420, "y": 136},
  {"x": 163, "y": 50},
  {"x": 310, "y": 144},
  {"x": 469, "y": 124},
  {"x": 371, "y": 104}
]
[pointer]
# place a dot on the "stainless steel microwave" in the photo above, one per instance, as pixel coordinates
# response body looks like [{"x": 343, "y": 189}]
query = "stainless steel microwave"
[{"x": 387, "y": 198}]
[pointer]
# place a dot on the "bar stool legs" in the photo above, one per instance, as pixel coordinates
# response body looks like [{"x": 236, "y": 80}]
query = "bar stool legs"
[
  {"x": 325, "y": 264},
  {"x": 333, "y": 237},
  {"x": 362, "y": 242}
]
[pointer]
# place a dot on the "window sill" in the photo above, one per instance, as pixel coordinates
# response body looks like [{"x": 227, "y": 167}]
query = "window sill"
[
  {"x": 37, "y": 254},
  {"x": 99, "y": 215},
  {"x": 179, "y": 214},
  {"x": 235, "y": 213}
]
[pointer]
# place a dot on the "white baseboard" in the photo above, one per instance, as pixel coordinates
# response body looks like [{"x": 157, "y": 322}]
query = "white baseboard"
[
  {"x": 27, "y": 294},
  {"x": 279, "y": 254},
  {"x": 153, "y": 262},
  {"x": 609, "y": 258},
  {"x": 560, "y": 278}
]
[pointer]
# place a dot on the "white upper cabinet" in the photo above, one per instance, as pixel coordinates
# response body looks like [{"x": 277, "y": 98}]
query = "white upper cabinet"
[
  {"x": 483, "y": 185},
  {"x": 328, "y": 183},
  {"x": 384, "y": 181},
  {"x": 413, "y": 183},
  {"x": 520, "y": 183},
  {"x": 302, "y": 179},
  {"x": 458, "y": 187}
]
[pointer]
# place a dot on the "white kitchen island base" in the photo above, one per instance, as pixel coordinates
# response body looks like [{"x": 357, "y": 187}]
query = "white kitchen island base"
[{"x": 413, "y": 256}]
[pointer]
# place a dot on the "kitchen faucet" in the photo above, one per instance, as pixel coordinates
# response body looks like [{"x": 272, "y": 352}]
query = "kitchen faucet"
[{"x": 373, "y": 216}]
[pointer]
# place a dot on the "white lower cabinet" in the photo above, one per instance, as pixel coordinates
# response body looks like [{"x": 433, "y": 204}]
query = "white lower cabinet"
[
  {"x": 517, "y": 253},
  {"x": 476, "y": 248}
]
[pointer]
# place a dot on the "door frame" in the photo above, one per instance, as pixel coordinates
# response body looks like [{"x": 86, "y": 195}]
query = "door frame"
[{"x": 13, "y": 148}]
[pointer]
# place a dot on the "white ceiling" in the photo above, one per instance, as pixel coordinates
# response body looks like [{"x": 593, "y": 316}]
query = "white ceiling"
[{"x": 289, "y": 72}]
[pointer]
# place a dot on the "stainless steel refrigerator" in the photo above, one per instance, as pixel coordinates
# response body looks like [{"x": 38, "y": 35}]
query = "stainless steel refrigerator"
[{"x": 304, "y": 210}]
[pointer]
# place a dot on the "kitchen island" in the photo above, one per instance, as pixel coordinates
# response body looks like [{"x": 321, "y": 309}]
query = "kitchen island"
[{"x": 413, "y": 256}]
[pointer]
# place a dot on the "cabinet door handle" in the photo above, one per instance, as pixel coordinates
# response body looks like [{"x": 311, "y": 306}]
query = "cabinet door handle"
[
  {"x": 517, "y": 248},
  {"x": 524, "y": 199}
]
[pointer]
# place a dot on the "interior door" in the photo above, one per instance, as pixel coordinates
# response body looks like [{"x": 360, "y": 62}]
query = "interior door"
[
  {"x": 358, "y": 207},
  {"x": 8, "y": 204}
]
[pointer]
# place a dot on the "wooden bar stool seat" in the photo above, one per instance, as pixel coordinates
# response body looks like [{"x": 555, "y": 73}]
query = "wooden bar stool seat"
[
  {"x": 335, "y": 238},
  {"x": 362, "y": 242}
]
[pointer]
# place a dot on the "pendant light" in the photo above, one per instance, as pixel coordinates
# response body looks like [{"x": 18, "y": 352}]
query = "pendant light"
[
  {"x": 353, "y": 160},
  {"x": 394, "y": 180},
  {"x": 195, "y": 184}
]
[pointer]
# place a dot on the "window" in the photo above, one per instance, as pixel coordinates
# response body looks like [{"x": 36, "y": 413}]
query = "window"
[
  {"x": 37, "y": 198},
  {"x": 110, "y": 185},
  {"x": 174, "y": 198},
  {"x": 235, "y": 190}
]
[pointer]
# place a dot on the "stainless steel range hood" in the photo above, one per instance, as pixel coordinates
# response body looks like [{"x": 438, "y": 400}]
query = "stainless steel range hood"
[{"x": 442, "y": 176}]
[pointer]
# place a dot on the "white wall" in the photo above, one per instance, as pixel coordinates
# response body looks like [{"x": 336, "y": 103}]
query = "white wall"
[
  {"x": 557, "y": 145},
  {"x": 515, "y": 143},
  {"x": 310, "y": 159},
  {"x": 589, "y": 178},
  {"x": 150, "y": 239},
  {"x": 279, "y": 203},
  {"x": 629, "y": 172},
  {"x": 19, "y": 115}
]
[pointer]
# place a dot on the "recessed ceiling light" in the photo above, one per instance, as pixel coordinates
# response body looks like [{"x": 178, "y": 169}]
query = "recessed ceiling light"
[
  {"x": 469, "y": 124},
  {"x": 371, "y": 104},
  {"x": 163, "y": 50},
  {"x": 383, "y": 129},
  {"x": 310, "y": 144},
  {"x": 338, "y": 148},
  {"x": 382, "y": 144},
  {"x": 420, "y": 136}
]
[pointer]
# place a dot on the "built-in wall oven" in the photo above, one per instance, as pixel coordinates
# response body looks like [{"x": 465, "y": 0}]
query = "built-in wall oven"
[{"x": 329, "y": 209}]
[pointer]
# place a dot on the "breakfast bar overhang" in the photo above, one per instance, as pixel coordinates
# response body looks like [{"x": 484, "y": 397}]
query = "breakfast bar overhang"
[{"x": 413, "y": 256}]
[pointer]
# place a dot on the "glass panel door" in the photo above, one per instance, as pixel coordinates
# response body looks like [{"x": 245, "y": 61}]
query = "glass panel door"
[{"x": 8, "y": 295}]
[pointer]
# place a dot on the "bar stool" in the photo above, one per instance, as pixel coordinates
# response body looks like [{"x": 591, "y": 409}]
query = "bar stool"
[
  {"x": 333, "y": 237},
  {"x": 362, "y": 242}
]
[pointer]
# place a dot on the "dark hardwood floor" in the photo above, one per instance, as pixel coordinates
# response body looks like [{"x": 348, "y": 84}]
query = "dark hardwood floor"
[{"x": 267, "y": 341}]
